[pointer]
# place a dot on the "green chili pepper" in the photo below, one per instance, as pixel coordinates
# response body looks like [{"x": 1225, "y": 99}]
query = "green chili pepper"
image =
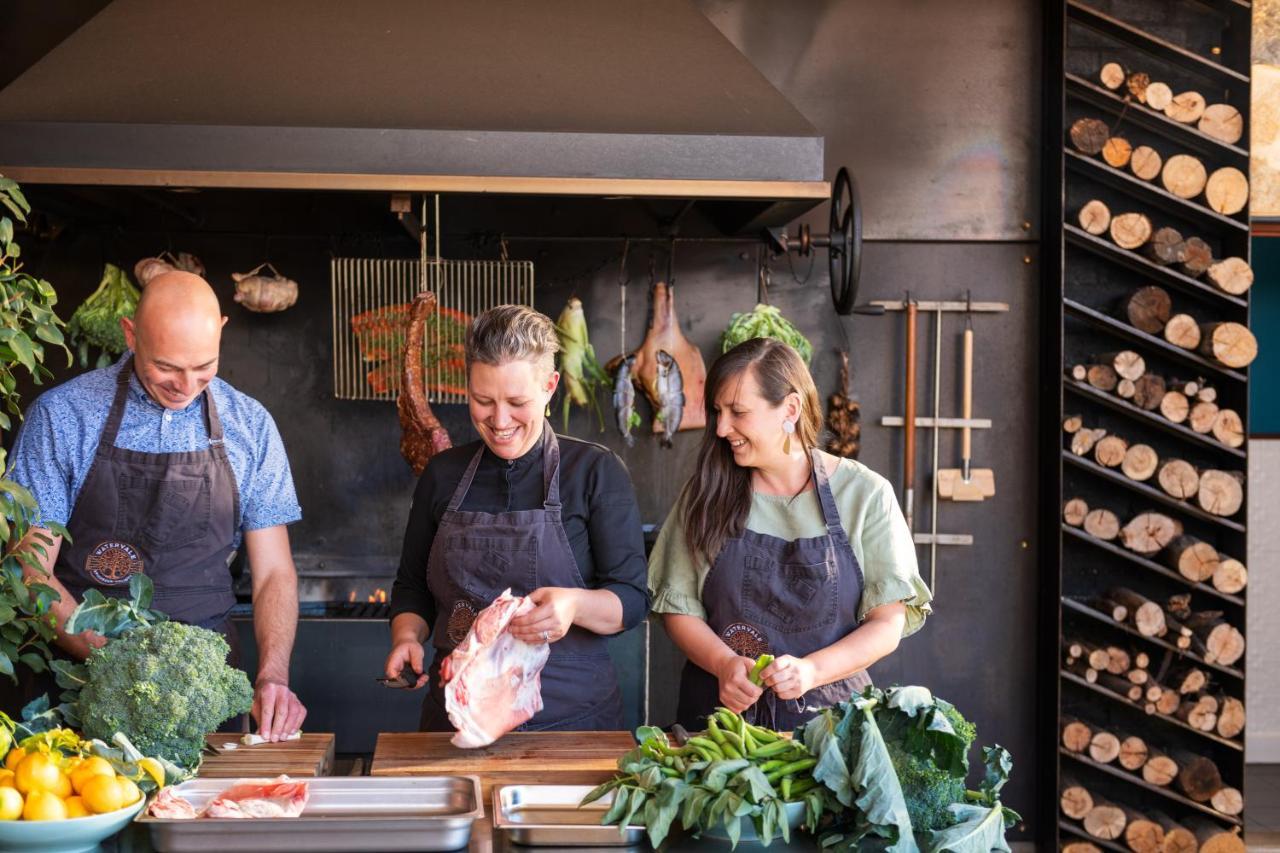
[
  {"x": 761, "y": 662},
  {"x": 713, "y": 730},
  {"x": 793, "y": 767},
  {"x": 709, "y": 745},
  {"x": 770, "y": 750}
]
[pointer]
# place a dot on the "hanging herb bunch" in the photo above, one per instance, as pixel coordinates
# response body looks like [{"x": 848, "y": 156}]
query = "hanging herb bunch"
[
  {"x": 96, "y": 323},
  {"x": 27, "y": 324}
]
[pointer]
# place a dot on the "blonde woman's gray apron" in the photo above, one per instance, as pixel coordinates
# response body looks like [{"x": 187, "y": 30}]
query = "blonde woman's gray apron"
[
  {"x": 767, "y": 594},
  {"x": 474, "y": 557}
]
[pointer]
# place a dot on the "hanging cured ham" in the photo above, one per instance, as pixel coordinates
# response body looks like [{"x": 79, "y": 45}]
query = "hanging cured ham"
[
  {"x": 492, "y": 680},
  {"x": 664, "y": 335},
  {"x": 421, "y": 435}
]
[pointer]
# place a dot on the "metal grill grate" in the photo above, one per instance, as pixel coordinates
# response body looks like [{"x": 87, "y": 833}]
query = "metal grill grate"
[{"x": 371, "y": 302}]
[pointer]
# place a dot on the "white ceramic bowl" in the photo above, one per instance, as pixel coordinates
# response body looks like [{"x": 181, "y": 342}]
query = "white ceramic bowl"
[{"x": 73, "y": 835}]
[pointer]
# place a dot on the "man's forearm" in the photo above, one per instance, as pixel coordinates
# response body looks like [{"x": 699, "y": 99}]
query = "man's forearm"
[{"x": 275, "y": 623}]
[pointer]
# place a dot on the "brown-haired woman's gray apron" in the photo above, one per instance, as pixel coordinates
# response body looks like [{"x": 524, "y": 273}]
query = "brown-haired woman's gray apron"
[
  {"x": 767, "y": 594},
  {"x": 474, "y": 557},
  {"x": 170, "y": 516}
]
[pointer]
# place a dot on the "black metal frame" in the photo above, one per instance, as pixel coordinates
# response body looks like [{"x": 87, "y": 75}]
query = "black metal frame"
[{"x": 1057, "y": 311}]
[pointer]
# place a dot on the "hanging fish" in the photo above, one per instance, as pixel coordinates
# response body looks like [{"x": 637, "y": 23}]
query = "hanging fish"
[
  {"x": 624, "y": 399},
  {"x": 670, "y": 388}
]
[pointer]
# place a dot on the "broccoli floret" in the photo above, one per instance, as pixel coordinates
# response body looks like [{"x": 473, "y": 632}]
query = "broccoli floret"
[
  {"x": 929, "y": 790},
  {"x": 165, "y": 686}
]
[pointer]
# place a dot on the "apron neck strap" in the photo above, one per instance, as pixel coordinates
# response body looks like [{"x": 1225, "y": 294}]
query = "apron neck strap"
[
  {"x": 550, "y": 472},
  {"x": 821, "y": 481},
  {"x": 550, "y": 468},
  {"x": 112, "y": 427}
]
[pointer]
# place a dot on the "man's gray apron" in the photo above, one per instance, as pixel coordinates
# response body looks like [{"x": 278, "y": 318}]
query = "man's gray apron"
[
  {"x": 170, "y": 516},
  {"x": 766, "y": 594},
  {"x": 474, "y": 557}
]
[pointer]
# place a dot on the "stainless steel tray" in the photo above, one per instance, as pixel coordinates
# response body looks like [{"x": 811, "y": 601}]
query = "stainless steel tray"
[
  {"x": 343, "y": 813},
  {"x": 549, "y": 816}
]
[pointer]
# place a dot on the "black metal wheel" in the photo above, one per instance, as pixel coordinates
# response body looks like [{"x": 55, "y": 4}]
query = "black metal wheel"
[{"x": 844, "y": 255}]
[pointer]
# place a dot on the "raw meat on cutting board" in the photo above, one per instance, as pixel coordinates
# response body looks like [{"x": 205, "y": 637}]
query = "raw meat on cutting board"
[{"x": 492, "y": 680}]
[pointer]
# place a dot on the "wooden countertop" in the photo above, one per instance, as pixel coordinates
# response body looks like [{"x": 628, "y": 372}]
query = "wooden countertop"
[
  {"x": 554, "y": 758},
  {"x": 309, "y": 755}
]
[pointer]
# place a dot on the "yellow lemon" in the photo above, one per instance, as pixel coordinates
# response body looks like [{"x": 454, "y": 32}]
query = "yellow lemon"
[
  {"x": 10, "y": 804},
  {"x": 129, "y": 789},
  {"x": 15, "y": 755},
  {"x": 37, "y": 772},
  {"x": 7, "y": 779},
  {"x": 41, "y": 805},
  {"x": 102, "y": 794},
  {"x": 76, "y": 807},
  {"x": 63, "y": 787},
  {"x": 90, "y": 767},
  {"x": 153, "y": 768}
]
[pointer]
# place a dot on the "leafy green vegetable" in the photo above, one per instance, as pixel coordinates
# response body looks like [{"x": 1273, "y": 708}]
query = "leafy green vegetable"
[
  {"x": 96, "y": 323},
  {"x": 765, "y": 321},
  {"x": 731, "y": 771},
  {"x": 895, "y": 762},
  {"x": 163, "y": 684}
]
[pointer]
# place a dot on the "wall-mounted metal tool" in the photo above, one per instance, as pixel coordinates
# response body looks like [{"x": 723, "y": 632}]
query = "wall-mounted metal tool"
[
  {"x": 909, "y": 423},
  {"x": 843, "y": 242}
]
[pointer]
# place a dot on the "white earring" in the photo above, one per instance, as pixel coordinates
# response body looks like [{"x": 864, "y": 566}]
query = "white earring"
[{"x": 788, "y": 427}]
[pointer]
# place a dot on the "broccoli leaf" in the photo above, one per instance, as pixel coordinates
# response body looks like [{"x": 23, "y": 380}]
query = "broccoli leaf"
[
  {"x": 880, "y": 794},
  {"x": 978, "y": 829},
  {"x": 999, "y": 764},
  {"x": 821, "y": 739}
]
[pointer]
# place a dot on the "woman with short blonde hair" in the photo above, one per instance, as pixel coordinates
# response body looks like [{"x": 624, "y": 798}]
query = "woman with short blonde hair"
[{"x": 550, "y": 517}]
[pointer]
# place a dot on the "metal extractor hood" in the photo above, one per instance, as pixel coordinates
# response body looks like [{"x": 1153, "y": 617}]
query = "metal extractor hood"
[{"x": 561, "y": 97}]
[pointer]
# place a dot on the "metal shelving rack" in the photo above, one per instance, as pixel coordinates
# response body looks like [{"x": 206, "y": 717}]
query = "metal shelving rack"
[{"x": 1083, "y": 277}]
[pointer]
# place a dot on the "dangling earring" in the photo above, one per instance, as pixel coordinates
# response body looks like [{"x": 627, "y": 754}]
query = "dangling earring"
[
  {"x": 548, "y": 408},
  {"x": 789, "y": 427}
]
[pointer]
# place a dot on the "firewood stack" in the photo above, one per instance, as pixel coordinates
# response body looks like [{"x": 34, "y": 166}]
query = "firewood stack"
[{"x": 1155, "y": 289}]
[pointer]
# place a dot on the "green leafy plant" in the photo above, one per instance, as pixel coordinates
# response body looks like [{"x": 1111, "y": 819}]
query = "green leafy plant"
[
  {"x": 731, "y": 771},
  {"x": 888, "y": 756},
  {"x": 96, "y": 323},
  {"x": 765, "y": 321},
  {"x": 27, "y": 325}
]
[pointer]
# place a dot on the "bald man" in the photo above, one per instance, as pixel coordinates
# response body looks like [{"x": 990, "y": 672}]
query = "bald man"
[{"x": 155, "y": 466}]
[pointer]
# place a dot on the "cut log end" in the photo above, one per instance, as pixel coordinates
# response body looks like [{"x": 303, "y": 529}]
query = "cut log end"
[
  {"x": 1186, "y": 107},
  {"x": 1088, "y": 135},
  {"x": 1102, "y": 523},
  {"x": 1231, "y": 275},
  {"x": 1221, "y": 492},
  {"x": 1130, "y": 230},
  {"x": 1227, "y": 190},
  {"x": 1145, "y": 162},
  {"x": 1230, "y": 344},
  {"x": 1112, "y": 75},
  {"x": 1094, "y": 217},
  {"x": 1228, "y": 428},
  {"x": 1230, "y": 577},
  {"x": 1184, "y": 176},
  {"x": 1183, "y": 331},
  {"x": 1223, "y": 122},
  {"x": 1074, "y": 512},
  {"x": 1140, "y": 462}
]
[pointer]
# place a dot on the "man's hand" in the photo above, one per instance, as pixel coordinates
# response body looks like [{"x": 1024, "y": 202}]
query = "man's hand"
[
  {"x": 551, "y": 619},
  {"x": 277, "y": 710},
  {"x": 790, "y": 677},
  {"x": 736, "y": 690}
]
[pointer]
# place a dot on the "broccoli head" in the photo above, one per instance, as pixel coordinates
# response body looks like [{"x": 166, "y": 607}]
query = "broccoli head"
[
  {"x": 165, "y": 686},
  {"x": 927, "y": 788}
]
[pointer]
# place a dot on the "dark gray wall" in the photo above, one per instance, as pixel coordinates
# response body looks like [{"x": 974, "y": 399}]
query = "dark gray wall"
[{"x": 932, "y": 105}]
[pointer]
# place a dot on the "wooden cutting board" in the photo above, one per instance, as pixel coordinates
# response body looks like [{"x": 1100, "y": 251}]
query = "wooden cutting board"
[
  {"x": 549, "y": 758},
  {"x": 309, "y": 755}
]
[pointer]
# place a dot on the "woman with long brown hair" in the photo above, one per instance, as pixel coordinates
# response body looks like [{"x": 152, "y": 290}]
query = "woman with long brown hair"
[{"x": 777, "y": 547}]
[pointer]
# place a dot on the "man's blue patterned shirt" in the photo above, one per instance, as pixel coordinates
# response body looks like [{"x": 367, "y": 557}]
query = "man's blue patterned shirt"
[{"x": 60, "y": 433}]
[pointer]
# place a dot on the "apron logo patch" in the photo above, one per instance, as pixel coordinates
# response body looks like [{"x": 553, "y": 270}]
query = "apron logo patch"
[
  {"x": 460, "y": 622},
  {"x": 113, "y": 562},
  {"x": 746, "y": 640}
]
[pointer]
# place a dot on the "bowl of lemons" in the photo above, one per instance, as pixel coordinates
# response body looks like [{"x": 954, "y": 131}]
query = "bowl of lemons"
[{"x": 50, "y": 804}]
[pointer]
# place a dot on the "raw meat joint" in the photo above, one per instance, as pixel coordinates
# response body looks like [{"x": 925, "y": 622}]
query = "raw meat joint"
[
  {"x": 279, "y": 797},
  {"x": 247, "y": 798},
  {"x": 492, "y": 680}
]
